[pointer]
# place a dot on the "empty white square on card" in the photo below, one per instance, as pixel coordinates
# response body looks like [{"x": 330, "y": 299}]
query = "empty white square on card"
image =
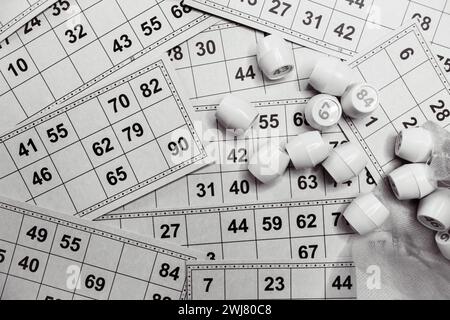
[
  {"x": 91, "y": 61},
  {"x": 62, "y": 70},
  {"x": 29, "y": 100},
  {"x": 147, "y": 161},
  {"x": 164, "y": 116},
  {"x": 53, "y": 52},
  {"x": 376, "y": 75},
  {"x": 82, "y": 197},
  {"x": 105, "y": 16}
]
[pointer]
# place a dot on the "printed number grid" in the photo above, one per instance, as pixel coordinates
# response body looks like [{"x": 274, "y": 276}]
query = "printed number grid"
[
  {"x": 222, "y": 59},
  {"x": 14, "y": 14},
  {"x": 337, "y": 27},
  {"x": 281, "y": 230},
  {"x": 229, "y": 182},
  {"x": 413, "y": 89},
  {"x": 42, "y": 256},
  {"x": 261, "y": 281},
  {"x": 77, "y": 43},
  {"x": 109, "y": 147}
]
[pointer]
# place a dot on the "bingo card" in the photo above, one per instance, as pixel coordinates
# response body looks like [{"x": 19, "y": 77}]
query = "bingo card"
[
  {"x": 51, "y": 256},
  {"x": 298, "y": 230},
  {"x": 228, "y": 181},
  {"x": 412, "y": 87},
  {"x": 222, "y": 60},
  {"x": 82, "y": 42},
  {"x": 337, "y": 27},
  {"x": 106, "y": 149},
  {"x": 16, "y": 13},
  {"x": 256, "y": 280}
]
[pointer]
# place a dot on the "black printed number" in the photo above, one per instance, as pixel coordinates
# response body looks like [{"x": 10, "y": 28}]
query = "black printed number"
[
  {"x": 272, "y": 223},
  {"x": 166, "y": 271},
  {"x": 39, "y": 177},
  {"x": 2, "y": 255},
  {"x": 121, "y": 100},
  {"x": 157, "y": 296},
  {"x": 35, "y": 22},
  {"x": 179, "y": 10},
  {"x": 250, "y": 2},
  {"x": 205, "y": 190},
  {"x": 124, "y": 42},
  {"x": 424, "y": 21},
  {"x": 96, "y": 283},
  {"x": 405, "y": 54},
  {"x": 179, "y": 146},
  {"x": 69, "y": 242},
  {"x": 114, "y": 177},
  {"x": 152, "y": 25},
  {"x": 359, "y": 3},
  {"x": 238, "y": 155},
  {"x": 208, "y": 283},
  {"x": 21, "y": 66},
  {"x": 76, "y": 33},
  {"x": 242, "y": 187},
  {"x": 151, "y": 88},
  {"x": 445, "y": 61},
  {"x": 280, "y": 8},
  {"x": 24, "y": 149},
  {"x": 103, "y": 147},
  {"x": 309, "y": 182},
  {"x": 31, "y": 264},
  {"x": 241, "y": 75},
  {"x": 59, "y": 6},
  {"x": 339, "y": 284},
  {"x": 175, "y": 53},
  {"x": 440, "y": 111},
  {"x": 236, "y": 227},
  {"x": 134, "y": 130},
  {"x": 39, "y": 234},
  {"x": 266, "y": 121},
  {"x": 274, "y": 284},
  {"x": 59, "y": 132},
  {"x": 310, "y": 18},
  {"x": 169, "y": 231},
  {"x": 344, "y": 31},
  {"x": 306, "y": 221},
  {"x": 208, "y": 47},
  {"x": 307, "y": 252}
]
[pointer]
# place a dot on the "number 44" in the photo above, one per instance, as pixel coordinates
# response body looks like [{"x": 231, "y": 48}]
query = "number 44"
[
  {"x": 339, "y": 284},
  {"x": 359, "y": 3}
]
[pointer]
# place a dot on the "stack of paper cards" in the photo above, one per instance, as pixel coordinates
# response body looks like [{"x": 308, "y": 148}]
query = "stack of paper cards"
[{"x": 118, "y": 180}]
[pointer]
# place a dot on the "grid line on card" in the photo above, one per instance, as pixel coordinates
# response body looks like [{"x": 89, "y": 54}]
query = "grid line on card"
[
  {"x": 390, "y": 120},
  {"x": 64, "y": 59},
  {"x": 91, "y": 230},
  {"x": 291, "y": 224},
  {"x": 14, "y": 251},
  {"x": 56, "y": 261},
  {"x": 162, "y": 74},
  {"x": 90, "y": 161},
  {"x": 56, "y": 169},
  {"x": 230, "y": 171},
  {"x": 82, "y": 264},
  {"x": 243, "y": 289},
  {"x": 351, "y": 24},
  {"x": 6, "y": 27},
  {"x": 46, "y": 263},
  {"x": 116, "y": 271},
  {"x": 211, "y": 74},
  {"x": 117, "y": 137}
]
